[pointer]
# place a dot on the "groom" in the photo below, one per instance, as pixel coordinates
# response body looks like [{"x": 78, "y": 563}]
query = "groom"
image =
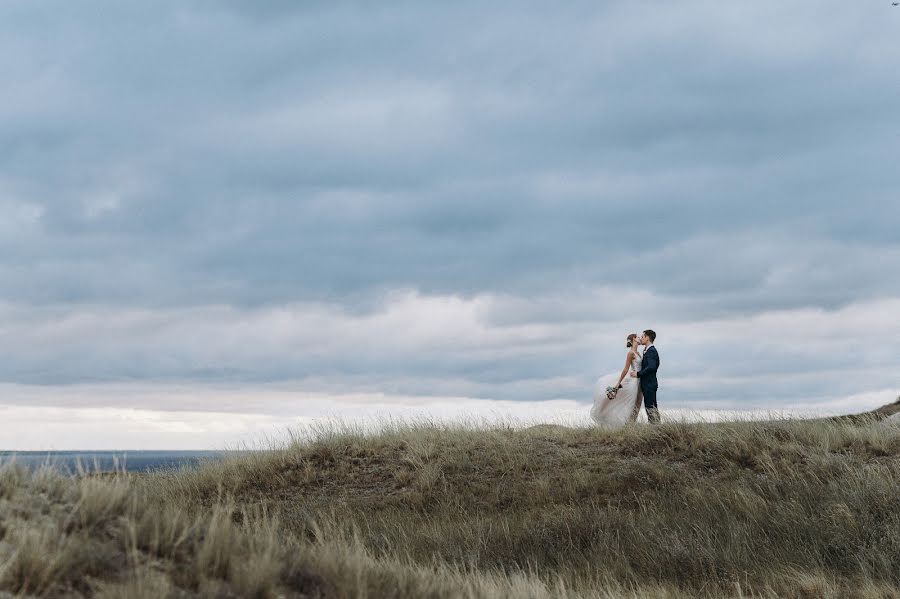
[{"x": 647, "y": 374}]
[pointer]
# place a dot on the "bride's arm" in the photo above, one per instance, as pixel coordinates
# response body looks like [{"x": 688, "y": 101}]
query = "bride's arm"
[{"x": 624, "y": 370}]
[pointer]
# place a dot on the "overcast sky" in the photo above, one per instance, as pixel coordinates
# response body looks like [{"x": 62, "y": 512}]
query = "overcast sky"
[{"x": 219, "y": 208}]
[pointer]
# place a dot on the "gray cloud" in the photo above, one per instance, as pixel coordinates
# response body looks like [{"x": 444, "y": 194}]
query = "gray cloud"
[{"x": 201, "y": 167}]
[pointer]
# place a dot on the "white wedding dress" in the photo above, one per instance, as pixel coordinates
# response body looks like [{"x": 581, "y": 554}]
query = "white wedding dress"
[{"x": 626, "y": 407}]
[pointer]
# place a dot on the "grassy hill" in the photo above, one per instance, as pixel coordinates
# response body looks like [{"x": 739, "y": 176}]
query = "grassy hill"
[{"x": 777, "y": 508}]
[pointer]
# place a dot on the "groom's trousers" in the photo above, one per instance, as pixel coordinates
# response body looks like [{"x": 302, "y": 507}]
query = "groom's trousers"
[{"x": 650, "y": 403}]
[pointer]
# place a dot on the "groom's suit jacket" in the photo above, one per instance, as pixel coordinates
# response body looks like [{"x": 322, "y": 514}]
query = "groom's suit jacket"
[{"x": 649, "y": 366}]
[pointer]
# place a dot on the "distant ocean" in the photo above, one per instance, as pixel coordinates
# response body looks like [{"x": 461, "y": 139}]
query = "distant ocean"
[{"x": 132, "y": 461}]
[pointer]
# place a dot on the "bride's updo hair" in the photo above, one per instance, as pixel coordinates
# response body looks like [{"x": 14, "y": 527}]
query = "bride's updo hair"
[{"x": 629, "y": 341}]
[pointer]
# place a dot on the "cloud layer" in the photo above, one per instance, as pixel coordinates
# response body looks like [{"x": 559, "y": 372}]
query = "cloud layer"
[{"x": 452, "y": 200}]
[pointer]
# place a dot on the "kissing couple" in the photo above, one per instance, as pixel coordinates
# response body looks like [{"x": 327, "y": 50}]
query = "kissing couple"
[{"x": 617, "y": 398}]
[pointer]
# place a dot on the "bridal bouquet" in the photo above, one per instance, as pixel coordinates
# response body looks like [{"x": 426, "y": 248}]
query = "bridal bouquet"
[{"x": 611, "y": 392}]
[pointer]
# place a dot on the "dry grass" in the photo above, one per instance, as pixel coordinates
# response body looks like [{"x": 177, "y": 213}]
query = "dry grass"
[{"x": 742, "y": 509}]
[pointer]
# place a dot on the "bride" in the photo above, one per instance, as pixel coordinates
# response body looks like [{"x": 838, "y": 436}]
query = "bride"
[{"x": 626, "y": 405}]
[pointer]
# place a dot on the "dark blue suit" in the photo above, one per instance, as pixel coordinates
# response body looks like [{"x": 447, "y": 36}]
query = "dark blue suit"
[{"x": 649, "y": 384}]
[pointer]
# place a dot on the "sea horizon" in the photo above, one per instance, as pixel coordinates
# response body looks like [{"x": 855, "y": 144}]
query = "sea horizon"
[{"x": 128, "y": 460}]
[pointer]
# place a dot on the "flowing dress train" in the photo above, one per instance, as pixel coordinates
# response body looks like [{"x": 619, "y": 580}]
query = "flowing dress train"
[{"x": 625, "y": 407}]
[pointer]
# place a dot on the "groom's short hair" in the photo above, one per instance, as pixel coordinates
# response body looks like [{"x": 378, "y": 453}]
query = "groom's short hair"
[{"x": 650, "y": 334}]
